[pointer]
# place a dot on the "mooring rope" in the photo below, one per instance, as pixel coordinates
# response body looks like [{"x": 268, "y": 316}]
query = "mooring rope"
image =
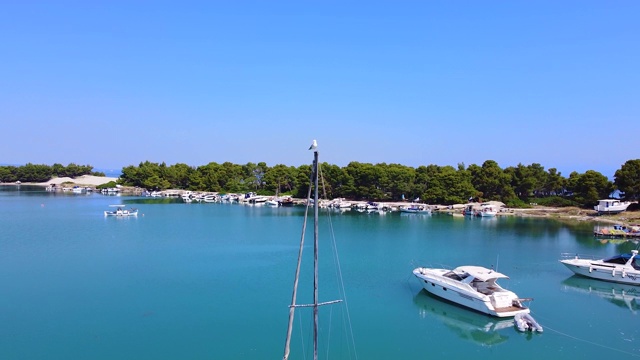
[{"x": 588, "y": 341}]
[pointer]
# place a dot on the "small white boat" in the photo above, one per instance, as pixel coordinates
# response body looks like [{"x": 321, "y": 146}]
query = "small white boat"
[
  {"x": 474, "y": 287},
  {"x": 623, "y": 268},
  {"x": 611, "y": 206},
  {"x": 210, "y": 198},
  {"x": 339, "y": 203},
  {"x": 121, "y": 211},
  {"x": 526, "y": 322},
  {"x": 415, "y": 209},
  {"x": 272, "y": 202},
  {"x": 487, "y": 210}
]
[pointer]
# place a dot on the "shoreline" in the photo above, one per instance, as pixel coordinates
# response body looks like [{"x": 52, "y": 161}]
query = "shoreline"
[{"x": 626, "y": 218}]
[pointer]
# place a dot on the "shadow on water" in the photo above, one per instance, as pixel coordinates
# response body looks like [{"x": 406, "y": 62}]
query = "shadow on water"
[
  {"x": 620, "y": 295},
  {"x": 467, "y": 324}
]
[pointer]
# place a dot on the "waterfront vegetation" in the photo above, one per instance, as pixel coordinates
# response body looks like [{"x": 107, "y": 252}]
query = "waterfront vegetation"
[
  {"x": 516, "y": 186},
  {"x": 42, "y": 173}
]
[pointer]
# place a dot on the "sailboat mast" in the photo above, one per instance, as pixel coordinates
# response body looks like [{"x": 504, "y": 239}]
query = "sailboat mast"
[
  {"x": 315, "y": 255},
  {"x": 293, "y": 305}
]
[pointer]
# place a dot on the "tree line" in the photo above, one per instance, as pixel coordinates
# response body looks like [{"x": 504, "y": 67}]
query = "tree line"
[
  {"x": 43, "y": 173},
  {"x": 516, "y": 186}
]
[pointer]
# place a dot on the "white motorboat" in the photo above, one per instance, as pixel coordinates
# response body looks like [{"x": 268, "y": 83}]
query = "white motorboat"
[
  {"x": 487, "y": 210},
  {"x": 121, "y": 211},
  {"x": 474, "y": 287},
  {"x": 611, "y": 206},
  {"x": 339, "y": 203},
  {"x": 623, "y": 268},
  {"x": 272, "y": 202}
]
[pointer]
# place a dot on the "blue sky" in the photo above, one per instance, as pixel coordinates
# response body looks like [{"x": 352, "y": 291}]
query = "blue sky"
[{"x": 116, "y": 83}]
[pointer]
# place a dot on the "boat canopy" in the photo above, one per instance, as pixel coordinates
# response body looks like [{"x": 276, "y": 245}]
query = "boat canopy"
[
  {"x": 481, "y": 273},
  {"x": 622, "y": 259}
]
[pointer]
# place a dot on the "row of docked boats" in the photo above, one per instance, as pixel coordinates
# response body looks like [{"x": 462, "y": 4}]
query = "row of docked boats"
[
  {"x": 75, "y": 189},
  {"x": 617, "y": 231}
]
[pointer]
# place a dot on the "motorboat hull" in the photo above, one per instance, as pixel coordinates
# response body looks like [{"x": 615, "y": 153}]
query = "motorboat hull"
[
  {"x": 596, "y": 270},
  {"x": 435, "y": 283}
]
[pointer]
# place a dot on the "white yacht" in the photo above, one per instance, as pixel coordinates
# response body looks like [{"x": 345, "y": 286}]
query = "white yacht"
[
  {"x": 623, "y": 268},
  {"x": 474, "y": 287}
]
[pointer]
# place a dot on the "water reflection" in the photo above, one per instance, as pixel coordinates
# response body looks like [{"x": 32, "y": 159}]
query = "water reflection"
[
  {"x": 621, "y": 295},
  {"x": 467, "y": 324}
]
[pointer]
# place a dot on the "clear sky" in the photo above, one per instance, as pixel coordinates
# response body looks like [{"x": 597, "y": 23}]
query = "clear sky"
[{"x": 115, "y": 83}]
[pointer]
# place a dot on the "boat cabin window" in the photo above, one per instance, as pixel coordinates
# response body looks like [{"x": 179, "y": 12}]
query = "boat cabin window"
[{"x": 456, "y": 276}]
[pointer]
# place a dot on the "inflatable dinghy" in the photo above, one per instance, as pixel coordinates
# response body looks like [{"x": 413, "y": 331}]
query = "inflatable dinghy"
[{"x": 526, "y": 322}]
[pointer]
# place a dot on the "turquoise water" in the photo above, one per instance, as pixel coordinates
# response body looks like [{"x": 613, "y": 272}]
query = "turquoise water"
[{"x": 213, "y": 281}]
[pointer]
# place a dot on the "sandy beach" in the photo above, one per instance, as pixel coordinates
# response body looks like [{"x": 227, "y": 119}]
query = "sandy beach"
[{"x": 84, "y": 180}]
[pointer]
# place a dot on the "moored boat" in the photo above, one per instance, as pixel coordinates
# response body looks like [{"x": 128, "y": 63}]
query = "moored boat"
[
  {"x": 623, "y": 268},
  {"x": 287, "y": 201},
  {"x": 474, "y": 287},
  {"x": 121, "y": 211},
  {"x": 415, "y": 209},
  {"x": 487, "y": 210}
]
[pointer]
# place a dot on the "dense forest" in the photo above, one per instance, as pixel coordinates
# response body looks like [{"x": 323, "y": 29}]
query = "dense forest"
[
  {"x": 43, "y": 173},
  {"x": 515, "y": 186}
]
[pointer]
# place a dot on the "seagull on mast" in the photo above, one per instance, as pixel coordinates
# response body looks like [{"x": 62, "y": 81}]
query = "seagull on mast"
[{"x": 314, "y": 145}]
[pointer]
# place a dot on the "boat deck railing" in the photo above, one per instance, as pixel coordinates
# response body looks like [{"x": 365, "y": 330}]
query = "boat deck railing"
[{"x": 567, "y": 256}]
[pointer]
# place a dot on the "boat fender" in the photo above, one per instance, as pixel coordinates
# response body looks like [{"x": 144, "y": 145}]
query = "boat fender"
[
  {"x": 613, "y": 273},
  {"x": 624, "y": 273},
  {"x": 590, "y": 269}
]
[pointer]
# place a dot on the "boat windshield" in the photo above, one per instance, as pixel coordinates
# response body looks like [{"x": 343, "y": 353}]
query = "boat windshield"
[
  {"x": 623, "y": 259},
  {"x": 456, "y": 276}
]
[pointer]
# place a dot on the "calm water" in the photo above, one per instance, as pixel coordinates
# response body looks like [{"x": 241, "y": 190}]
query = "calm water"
[{"x": 213, "y": 281}]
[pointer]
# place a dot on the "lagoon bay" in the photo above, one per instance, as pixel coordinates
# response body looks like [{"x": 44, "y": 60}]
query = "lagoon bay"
[{"x": 213, "y": 281}]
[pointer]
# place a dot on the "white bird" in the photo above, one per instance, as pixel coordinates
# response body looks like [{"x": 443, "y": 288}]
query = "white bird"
[{"x": 314, "y": 145}]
